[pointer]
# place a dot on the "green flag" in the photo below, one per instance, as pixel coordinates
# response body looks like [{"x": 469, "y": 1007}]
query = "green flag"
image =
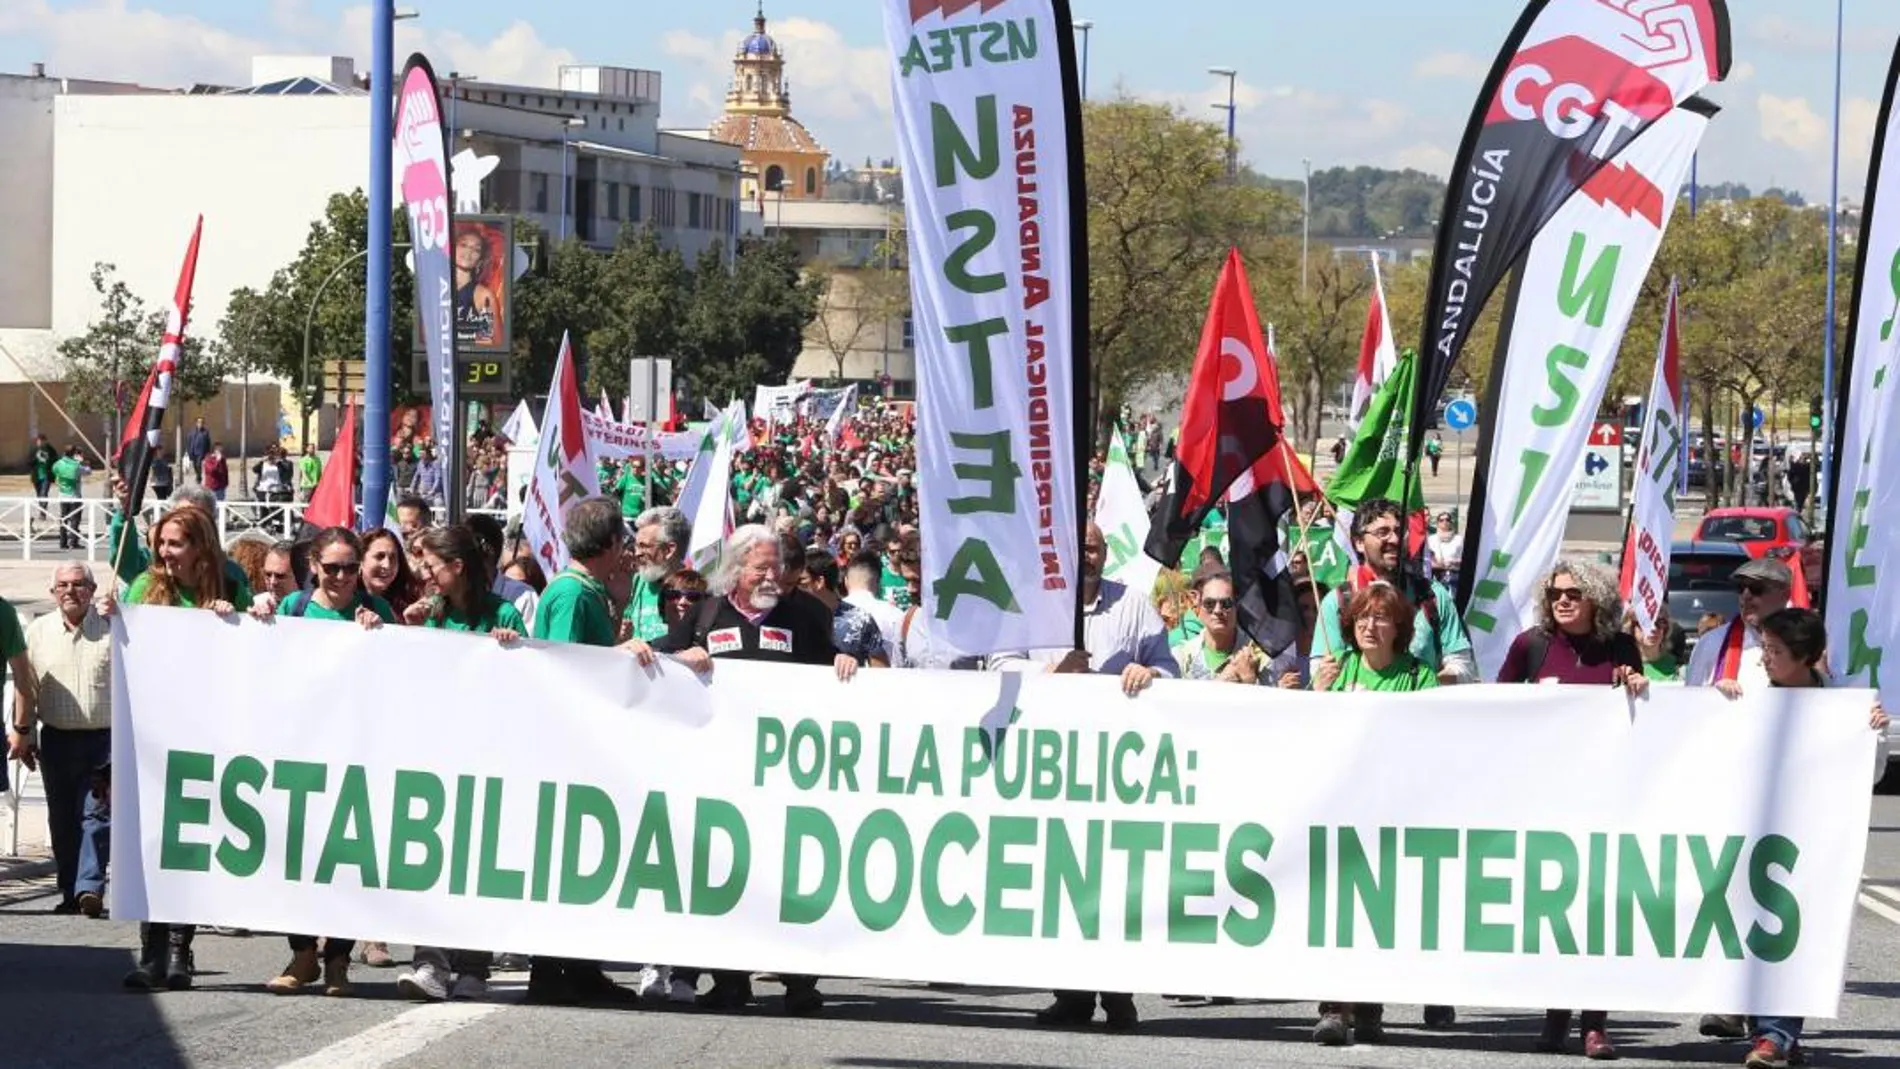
[{"x": 1375, "y": 462}]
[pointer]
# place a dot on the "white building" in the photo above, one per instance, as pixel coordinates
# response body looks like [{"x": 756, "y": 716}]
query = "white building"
[
  {"x": 117, "y": 173},
  {"x": 857, "y": 336}
]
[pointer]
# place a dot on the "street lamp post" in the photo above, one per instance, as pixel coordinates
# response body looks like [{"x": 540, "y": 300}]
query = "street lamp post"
[
  {"x": 569, "y": 124},
  {"x": 1306, "y": 217},
  {"x": 1233, "y": 147},
  {"x": 1083, "y": 26},
  {"x": 1826, "y": 467}
]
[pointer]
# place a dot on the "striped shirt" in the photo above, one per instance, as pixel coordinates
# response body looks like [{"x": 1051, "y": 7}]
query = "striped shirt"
[{"x": 74, "y": 668}]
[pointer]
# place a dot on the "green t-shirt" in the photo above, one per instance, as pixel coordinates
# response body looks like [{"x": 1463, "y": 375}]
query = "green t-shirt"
[
  {"x": 67, "y": 471},
  {"x": 895, "y": 589},
  {"x": 1429, "y": 645},
  {"x": 495, "y": 614},
  {"x": 574, "y": 608},
  {"x": 43, "y": 460},
  {"x": 633, "y": 492},
  {"x": 12, "y": 640},
  {"x": 234, "y": 582},
  {"x": 1404, "y": 674},
  {"x": 643, "y": 611},
  {"x": 310, "y": 469},
  {"x": 137, "y": 560},
  {"x": 313, "y": 610},
  {"x": 1665, "y": 669},
  {"x": 1189, "y": 626}
]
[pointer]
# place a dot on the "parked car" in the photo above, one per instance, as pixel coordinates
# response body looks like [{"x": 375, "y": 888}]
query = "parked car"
[
  {"x": 1702, "y": 582},
  {"x": 1767, "y": 532}
]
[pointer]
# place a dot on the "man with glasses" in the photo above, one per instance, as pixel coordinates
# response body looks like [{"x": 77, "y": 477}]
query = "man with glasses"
[
  {"x": 1438, "y": 635},
  {"x": 69, "y": 653},
  {"x": 660, "y": 537},
  {"x": 1729, "y": 657}
]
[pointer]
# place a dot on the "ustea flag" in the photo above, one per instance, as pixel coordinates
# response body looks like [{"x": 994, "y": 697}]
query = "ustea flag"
[
  {"x": 421, "y": 163},
  {"x": 1862, "y": 585},
  {"x": 1576, "y": 82},
  {"x": 1123, "y": 518},
  {"x": 564, "y": 470},
  {"x": 1653, "y": 510},
  {"x": 1571, "y": 302},
  {"x": 989, "y": 127}
]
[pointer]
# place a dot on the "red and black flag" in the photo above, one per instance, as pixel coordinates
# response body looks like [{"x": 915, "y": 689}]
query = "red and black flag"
[
  {"x": 1575, "y": 82},
  {"x": 143, "y": 428},
  {"x": 1232, "y": 447}
]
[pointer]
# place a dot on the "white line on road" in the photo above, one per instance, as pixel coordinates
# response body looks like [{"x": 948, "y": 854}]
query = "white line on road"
[
  {"x": 1891, "y": 894},
  {"x": 404, "y": 1035},
  {"x": 1881, "y": 908}
]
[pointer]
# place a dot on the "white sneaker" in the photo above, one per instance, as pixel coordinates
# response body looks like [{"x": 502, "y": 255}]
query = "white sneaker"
[
  {"x": 469, "y": 988},
  {"x": 682, "y": 992},
  {"x": 426, "y": 983},
  {"x": 655, "y": 982}
]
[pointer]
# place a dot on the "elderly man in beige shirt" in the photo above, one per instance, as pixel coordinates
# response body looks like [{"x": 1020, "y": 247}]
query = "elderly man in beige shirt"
[{"x": 70, "y": 652}]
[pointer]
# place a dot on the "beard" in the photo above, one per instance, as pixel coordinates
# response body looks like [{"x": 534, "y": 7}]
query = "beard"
[
  {"x": 766, "y": 595},
  {"x": 655, "y": 574}
]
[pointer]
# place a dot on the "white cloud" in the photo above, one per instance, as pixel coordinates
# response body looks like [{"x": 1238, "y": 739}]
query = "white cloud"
[
  {"x": 1430, "y": 158},
  {"x": 1279, "y": 125},
  {"x": 1462, "y": 66},
  {"x": 1791, "y": 121}
]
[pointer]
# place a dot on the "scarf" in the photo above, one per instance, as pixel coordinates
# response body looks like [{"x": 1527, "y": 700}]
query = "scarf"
[{"x": 1730, "y": 666}]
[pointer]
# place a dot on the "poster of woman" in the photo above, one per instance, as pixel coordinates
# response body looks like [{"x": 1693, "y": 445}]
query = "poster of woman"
[{"x": 484, "y": 247}]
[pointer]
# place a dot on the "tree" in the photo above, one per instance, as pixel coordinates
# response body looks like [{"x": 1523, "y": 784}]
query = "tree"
[
  {"x": 746, "y": 325},
  {"x": 1162, "y": 216},
  {"x": 106, "y": 367},
  {"x": 636, "y": 308},
  {"x": 855, "y": 306}
]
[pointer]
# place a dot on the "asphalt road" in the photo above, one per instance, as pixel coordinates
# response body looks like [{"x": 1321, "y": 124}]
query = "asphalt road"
[{"x": 62, "y": 1006}]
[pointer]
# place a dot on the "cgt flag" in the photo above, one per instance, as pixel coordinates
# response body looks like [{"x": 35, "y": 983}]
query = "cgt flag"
[
  {"x": 421, "y": 163},
  {"x": 1563, "y": 327},
  {"x": 1576, "y": 81},
  {"x": 989, "y": 120},
  {"x": 1862, "y": 582},
  {"x": 1645, "y": 580},
  {"x": 1231, "y": 446},
  {"x": 564, "y": 469},
  {"x": 148, "y": 416}
]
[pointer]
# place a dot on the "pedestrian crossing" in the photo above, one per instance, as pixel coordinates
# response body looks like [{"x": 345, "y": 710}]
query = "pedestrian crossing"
[{"x": 1882, "y": 900}]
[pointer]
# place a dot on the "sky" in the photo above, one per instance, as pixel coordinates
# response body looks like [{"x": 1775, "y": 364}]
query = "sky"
[{"x": 1385, "y": 83}]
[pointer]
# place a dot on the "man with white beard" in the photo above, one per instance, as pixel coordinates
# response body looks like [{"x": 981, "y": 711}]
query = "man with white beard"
[
  {"x": 750, "y": 616},
  {"x": 660, "y": 536}
]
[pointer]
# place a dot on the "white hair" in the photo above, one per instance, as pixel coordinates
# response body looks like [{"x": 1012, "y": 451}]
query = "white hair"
[{"x": 725, "y": 578}]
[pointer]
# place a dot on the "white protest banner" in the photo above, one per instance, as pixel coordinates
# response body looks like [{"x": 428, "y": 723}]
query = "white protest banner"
[
  {"x": 520, "y": 428},
  {"x": 1863, "y": 550},
  {"x": 1574, "y": 292},
  {"x": 845, "y": 409},
  {"x": 564, "y": 469},
  {"x": 989, "y": 128},
  {"x": 778, "y": 819},
  {"x": 1652, "y": 525},
  {"x": 779, "y": 404},
  {"x": 611, "y": 439},
  {"x": 1123, "y": 518}
]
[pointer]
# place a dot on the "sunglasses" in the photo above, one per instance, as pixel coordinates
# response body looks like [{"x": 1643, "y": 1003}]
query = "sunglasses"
[
  {"x": 1217, "y": 604},
  {"x": 1566, "y": 593},
  {"x": 346, "y": 568},
  {"x": 1751, "y": 586},
  {"x": 684, "y": 595}
]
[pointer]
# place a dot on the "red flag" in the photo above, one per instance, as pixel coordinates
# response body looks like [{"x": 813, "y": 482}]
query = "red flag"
[
  {"x": 333, "y": 502},
  {"x": 1378, "y": 355},
  {"x": 1232, "y": 446},
  {"x": 170, "y": 348}
]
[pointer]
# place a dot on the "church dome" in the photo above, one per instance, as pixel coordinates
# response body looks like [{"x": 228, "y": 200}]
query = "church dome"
[{"x": 760, "y": 45}]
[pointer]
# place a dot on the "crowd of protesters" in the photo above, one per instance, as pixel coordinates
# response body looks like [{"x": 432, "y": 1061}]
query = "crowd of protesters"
[{"x": 824, "y": 569}]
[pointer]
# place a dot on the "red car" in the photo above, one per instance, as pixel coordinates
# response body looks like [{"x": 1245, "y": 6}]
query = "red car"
[{"x": 1766, "y": 532}]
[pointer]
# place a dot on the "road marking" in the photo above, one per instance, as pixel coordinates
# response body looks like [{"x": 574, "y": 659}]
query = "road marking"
[
  {"x": 404, "y": 1035},
  {"x": 1891, "y": 894},
  {"x": 1880, "y": 908}
]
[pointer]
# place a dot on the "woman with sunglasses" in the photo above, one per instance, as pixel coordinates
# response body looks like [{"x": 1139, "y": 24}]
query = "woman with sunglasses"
[
  {"x": 680, "y": 594},
  {"x": 1220, "y": 652},
  {"x": 187, "y": 571},
  {"x": 1576, "y": 640},
  {"x": 336, "y": 558}
]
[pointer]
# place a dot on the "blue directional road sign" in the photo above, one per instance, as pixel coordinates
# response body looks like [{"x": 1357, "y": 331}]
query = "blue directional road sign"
[{"x": 1461, "y": 414}]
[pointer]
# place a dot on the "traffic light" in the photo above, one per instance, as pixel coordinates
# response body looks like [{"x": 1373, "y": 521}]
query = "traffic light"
[{"x": 1814, "y": 413}]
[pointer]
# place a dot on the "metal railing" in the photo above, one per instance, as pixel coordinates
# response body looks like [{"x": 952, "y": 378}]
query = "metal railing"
[{"x": 30, "y": 527}]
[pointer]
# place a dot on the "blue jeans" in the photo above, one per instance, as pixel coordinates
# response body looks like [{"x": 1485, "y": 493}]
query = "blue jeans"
[
  {"x": 1785, "y": 1031},
  {"x": 79, "y": 824}
]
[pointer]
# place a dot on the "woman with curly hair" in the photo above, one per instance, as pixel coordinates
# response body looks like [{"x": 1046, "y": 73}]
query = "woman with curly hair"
[
  {"x": 187, "y": 571},
  {"x": 1577, "y": 639}
]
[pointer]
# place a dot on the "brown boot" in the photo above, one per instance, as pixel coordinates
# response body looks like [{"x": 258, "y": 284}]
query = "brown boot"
[{"x": 303, "y": 969}]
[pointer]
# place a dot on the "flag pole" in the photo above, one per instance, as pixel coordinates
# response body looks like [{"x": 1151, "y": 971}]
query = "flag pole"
[
  {"x": 1306, "y": 537},
  {"x": 1833, "y": 258}
]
